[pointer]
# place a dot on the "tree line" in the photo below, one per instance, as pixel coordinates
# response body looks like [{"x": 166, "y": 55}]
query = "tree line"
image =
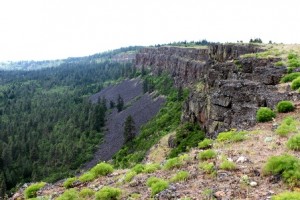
[{"x": 48, "y": 126}]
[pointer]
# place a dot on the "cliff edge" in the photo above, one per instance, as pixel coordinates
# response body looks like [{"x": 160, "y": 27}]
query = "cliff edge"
[{"x": 226, "y": 88}]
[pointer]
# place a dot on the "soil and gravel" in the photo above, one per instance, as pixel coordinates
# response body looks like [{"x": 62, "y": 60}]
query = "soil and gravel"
[{"x": 142, "y": 107}]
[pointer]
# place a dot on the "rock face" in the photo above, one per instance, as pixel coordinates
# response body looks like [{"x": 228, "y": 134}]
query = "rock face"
[{"x": 226, "y": 90}]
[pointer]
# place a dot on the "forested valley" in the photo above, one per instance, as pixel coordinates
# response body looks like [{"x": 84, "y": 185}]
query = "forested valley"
[{"x": 48, "y": 126}]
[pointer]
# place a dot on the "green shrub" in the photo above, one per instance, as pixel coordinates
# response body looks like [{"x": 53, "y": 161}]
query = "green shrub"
[
  {"x": 139, "y": 168},
  {"x": 285, "y": 165},
  {"x": 86, "y": 193},
  {"x": 207, "y": 154},
  {"x": 279, "y": 63},
  {"x": 102, "y": 169},
  {"x": 205, "y": 144},
  {"x": 288, "y": 125},
  {"x": 294, "y": 63},
  {"x": 294, "y": 142},
  {"x": 157, "y": 185},
  {"x": 108, "y": 193},
  {"x": 285, "y": 106},
  {"x": 290, "y": 77},
  {"x": 130, "y": 175},
  {"x": 86, "y": 177},
  {"x": 30, "y": 192},
  {"x": 172, "y": 163},
  {"x": 287, "y": 196},
  {"x": 207, "y": 167},
  {"x": 180, "y": 176},
  {"x": 292, "y": 56},
  {"x": 150, "y": 168},
  {"x": 227, "y": 165},
  {"x": 232, "y": 136},
  {"x": 152, "y": 180},
  {"x": 264, "y": 114},
  {"x": 295, "y": 84},
  {"x": 69, "y": 182},
  {"x": 70, "y": 194}
]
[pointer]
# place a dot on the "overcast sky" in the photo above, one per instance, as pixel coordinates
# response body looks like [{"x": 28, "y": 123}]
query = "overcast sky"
[{"x": 49, "y": 29}]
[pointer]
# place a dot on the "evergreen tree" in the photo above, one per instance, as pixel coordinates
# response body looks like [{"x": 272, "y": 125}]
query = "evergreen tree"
[
  {"x": 2, "y": 186},
  {"x": 111, "y": 104},
  {"x": 180, "y": 93},
  {"x": 129, "y": 129},
  {"x": 145, "y": 86},
  {"x": 120, "y": 103}
]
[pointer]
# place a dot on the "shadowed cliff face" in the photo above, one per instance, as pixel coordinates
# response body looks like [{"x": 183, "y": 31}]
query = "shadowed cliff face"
[{"x": 226, "y": 90}]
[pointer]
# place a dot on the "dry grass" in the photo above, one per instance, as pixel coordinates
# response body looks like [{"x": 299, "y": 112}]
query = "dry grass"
[{"x": 159, "y": 152}]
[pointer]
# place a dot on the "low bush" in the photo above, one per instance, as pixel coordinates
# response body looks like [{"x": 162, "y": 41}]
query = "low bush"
[
  {"x": 287, "y": 166},
  {"x": 205, "y": 144},
  {"x": 129, "y": 176},
  {"x": 279, "y": 64},
  {"x": 207, "y": 154},
  {"x": 207, "y": 167},
  {"x": 294, "y": 142},
  {"x": 172, "y": 163},
  {"x": 290, "y": 77},
  {"x": 152, "y": 180},
  {"x": 287, "y": 196},
  {"x": 70, "y": 194},
  {"x": 292, "y": 56},
  {"x": 232, "y": 136},
  {"x": 227, "y": 165},
  {"x": 69, "y": 182},
  {"x": 264, "y": 114},
  {"x": 102, "y": 169},
  {"x": 30, "y": 192},
  {"x": 293, "y": 63},
  {"x": 287, "y": 126},
  {"x": 86, "y": 193},
  {"x": 180, "y": 176},
  {"x": 139, "y": 168},
  {"x": 295, "y": 84},
  {"x": 150, "y": 168},
  {"x": 108, "y": 193},
  {"x": 285, "y": 106},
  {"x": 157, "y": 185},
  {"x": 86, "y": 177}
]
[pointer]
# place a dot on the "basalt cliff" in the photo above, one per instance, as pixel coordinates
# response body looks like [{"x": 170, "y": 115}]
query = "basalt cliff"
[{"x": 226, "y": 88}]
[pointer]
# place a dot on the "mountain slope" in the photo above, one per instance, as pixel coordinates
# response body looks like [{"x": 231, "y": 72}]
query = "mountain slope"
[{"x": 142, "y": 107}]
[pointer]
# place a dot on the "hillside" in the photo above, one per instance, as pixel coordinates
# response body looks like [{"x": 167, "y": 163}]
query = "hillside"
[
  {"x": 246, "y": 181},
  {"x": 142, "y": 107},
  {"x": 232, "y": 88}
]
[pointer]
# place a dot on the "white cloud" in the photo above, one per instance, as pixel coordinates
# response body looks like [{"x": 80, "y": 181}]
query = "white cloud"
[{"x": 48, "y": 29}]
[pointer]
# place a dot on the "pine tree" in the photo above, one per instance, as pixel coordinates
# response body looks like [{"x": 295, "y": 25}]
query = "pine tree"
[
  {"x": 129, "y": 129},
  {"x": 180, "y": 93},
  {"x": 2, "y": 186},
  {"x": 120, "y": 103}
]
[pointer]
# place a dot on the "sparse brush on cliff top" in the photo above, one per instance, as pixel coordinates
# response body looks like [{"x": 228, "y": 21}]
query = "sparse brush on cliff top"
[
  {"x": 265, "y": 114},
  {"x": 287, "y": 166},
  {"x": 31, "y": 191},
  {"x": 290, "y": 77},
  {"x": 287, "y": 126},
  {"x": 285, "y": 106}
]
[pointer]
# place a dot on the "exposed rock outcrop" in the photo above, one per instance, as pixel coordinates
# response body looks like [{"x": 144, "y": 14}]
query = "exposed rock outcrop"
[{"x": 226, "y": 90}]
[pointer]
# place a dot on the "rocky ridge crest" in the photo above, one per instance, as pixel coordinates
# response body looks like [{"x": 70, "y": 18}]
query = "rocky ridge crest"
[{"x": 226, "y": 89}]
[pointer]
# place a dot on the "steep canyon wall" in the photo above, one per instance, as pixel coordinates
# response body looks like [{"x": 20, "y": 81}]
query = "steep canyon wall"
[{"x": 226, "y": 90}]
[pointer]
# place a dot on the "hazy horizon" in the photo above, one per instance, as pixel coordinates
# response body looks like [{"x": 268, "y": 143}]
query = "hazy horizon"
[{"x": 48, "y": 30}]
